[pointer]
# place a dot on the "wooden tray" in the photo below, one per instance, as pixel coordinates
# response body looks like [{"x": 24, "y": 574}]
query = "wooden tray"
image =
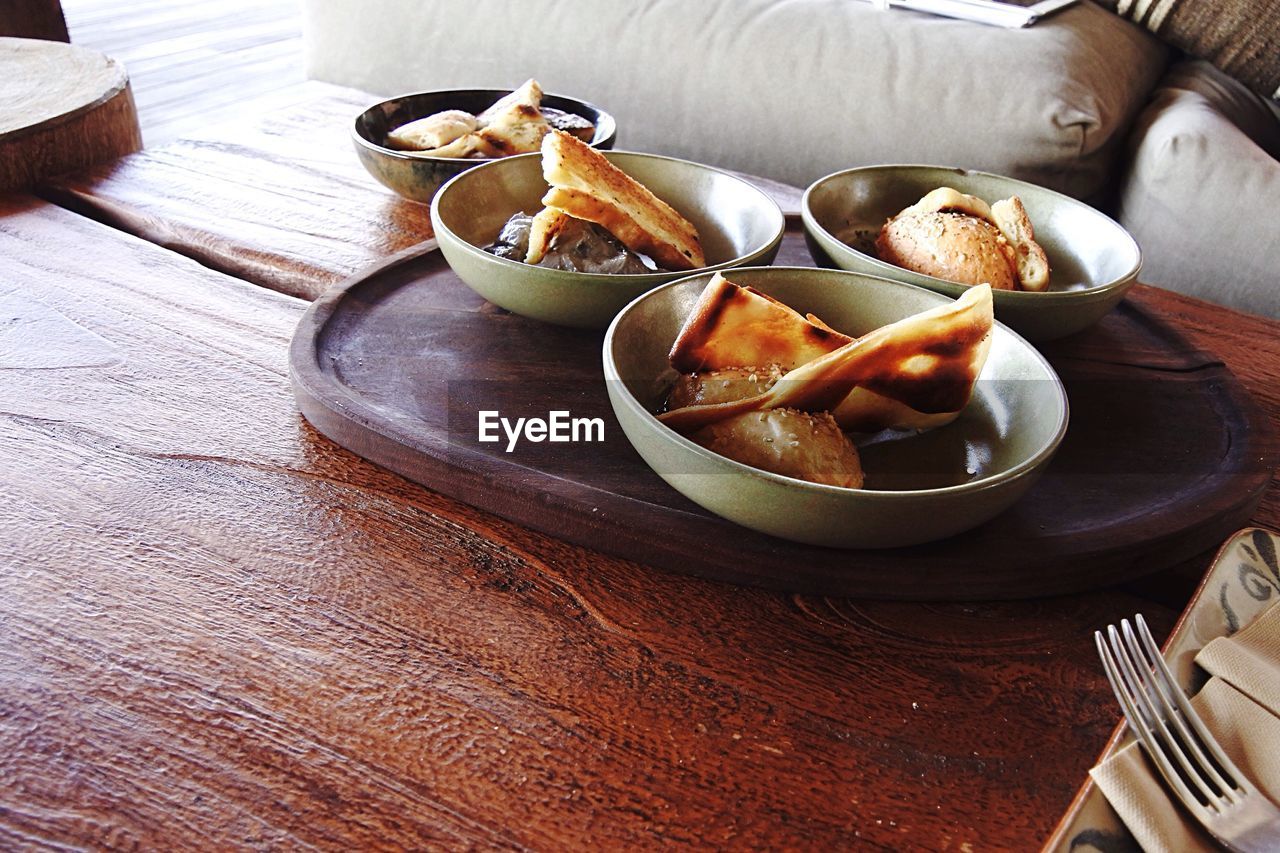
[{"x": 1165, "y": 455}]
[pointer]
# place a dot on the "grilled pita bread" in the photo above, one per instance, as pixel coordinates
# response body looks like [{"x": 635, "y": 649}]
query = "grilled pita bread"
[
  {"x": 515, "y": 124},
  {"x": 734, "y": 326},
  {"x": 585, "y": 185},
  {"x": 433, "y": 132},
  {"x": 918, "y": 372}
]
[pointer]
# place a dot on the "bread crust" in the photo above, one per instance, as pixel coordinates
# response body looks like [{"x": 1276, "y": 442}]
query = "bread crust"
[
  {"x": 1029, "y": 258},
  {"x": 788, "y": 442},
  {"x": 956, "y": 247}
]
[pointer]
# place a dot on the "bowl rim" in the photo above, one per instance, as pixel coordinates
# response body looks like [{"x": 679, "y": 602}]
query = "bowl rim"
[
  {"x": 1025, "y": 468},
  {"x": 439, "y": 226},
  {"x": 1095, "y": 291},
  {"x": 423, "y": 158}
]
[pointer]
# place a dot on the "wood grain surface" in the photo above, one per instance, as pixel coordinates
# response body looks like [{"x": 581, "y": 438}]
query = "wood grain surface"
[
  {"x": 218, "y": 629},
  {"x": 277, "y": 199},
  {"x": 65, "y": 108},
  {"x": 396, "y": 365},
  {"x": 280, "y": 200},
  {"x": 194, "y": 63}
]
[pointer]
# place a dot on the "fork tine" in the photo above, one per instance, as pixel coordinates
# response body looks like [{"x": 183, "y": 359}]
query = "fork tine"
[
  {"x": 1162, "y": 714},
  {"x": 1231, "y": 788},
  {"x": 1128, "y": 702}
]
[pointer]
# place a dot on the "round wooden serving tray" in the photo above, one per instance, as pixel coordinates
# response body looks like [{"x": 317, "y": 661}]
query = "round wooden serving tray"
[{"x": 1165, "y": 456}]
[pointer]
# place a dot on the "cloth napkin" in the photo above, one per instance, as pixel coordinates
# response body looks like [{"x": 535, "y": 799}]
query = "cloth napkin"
[{"x": 1240, "y": 705}]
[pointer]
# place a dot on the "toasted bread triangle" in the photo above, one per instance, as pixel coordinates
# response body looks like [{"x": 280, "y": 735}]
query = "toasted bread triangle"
[
  {"x": 921, "y": 369},
  {"x": 734, "y": 326},
  {"x": 584, "y": 184}
]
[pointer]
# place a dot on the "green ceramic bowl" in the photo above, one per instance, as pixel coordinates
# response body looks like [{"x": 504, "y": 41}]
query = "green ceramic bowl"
[
  {"x": 919, "y": 487},
  {"x": 418, "y": 178},
  {"x": 1093, "y": 260},
  {"x": 737, "y": 223}
]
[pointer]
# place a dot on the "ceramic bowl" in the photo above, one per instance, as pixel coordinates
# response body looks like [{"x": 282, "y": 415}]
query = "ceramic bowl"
[
  {"x": 1093, "y": 260},
  {"x": 737, "y": 223},
  {"x": 418, "y": 178},
  {"x": 919, "y": 487}
]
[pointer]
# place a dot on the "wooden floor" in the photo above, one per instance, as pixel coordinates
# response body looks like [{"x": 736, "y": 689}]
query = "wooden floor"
[{"x": 195, "y": 62}]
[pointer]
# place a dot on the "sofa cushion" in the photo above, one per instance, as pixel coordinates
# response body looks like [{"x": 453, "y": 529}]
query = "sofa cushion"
[
  {"x": 1203, "y": 190},
  {"x": 788, "y": 89}
]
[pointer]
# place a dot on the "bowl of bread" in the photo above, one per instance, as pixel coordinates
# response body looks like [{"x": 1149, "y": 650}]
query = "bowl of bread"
[
  {"x": 414, "y": 143},
  {"x": 833, "y": 408},
  {"x": 1055, "y": 264},
  {"x": 571, "y": 235}
]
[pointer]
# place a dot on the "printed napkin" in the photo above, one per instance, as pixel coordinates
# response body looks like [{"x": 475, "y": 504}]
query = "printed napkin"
[{"x": 1240, "y": 705}]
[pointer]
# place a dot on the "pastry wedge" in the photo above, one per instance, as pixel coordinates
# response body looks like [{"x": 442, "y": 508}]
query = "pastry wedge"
[
  {"x": 585, "y": 185},
  {"x": 950, "y": 200}
]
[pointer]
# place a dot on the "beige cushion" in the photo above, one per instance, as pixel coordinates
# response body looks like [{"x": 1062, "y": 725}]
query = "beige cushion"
[
  {"x": 790, "y": 90},
  {"x": 1204, "y": 189}
]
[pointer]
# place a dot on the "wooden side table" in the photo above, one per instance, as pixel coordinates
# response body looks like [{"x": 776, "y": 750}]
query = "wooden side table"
[{"x": 65, "y": 108}]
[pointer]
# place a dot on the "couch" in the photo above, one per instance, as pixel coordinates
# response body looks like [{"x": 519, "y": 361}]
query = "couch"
[{"x": 1084, "y": 102}]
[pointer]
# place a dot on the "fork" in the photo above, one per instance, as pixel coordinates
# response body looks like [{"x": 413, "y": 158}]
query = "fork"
[{"x": 1205, "y": 780}]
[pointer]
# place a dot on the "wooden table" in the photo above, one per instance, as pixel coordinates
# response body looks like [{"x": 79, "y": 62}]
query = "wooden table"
[{"x": 220, "y": 629}]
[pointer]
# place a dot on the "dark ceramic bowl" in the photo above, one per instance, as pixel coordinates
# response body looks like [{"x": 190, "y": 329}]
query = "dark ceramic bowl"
[{"x": 417, "y": 177}]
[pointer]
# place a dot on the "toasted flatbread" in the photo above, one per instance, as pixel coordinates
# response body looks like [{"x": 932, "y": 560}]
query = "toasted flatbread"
[
  {"x": 433, "y": 132},
  {"x": 515, "y": 125},
  {"x": 925, "y": 364},
  {"x": 470, "y": 145},
  {"x": 584, "y": 184},
  {"x": 523, "y": 101},
  {"x": 734, "y": 326}
]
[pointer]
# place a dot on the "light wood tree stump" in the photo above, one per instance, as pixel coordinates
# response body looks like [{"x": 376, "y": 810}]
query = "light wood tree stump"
[{"x": 62, "y": 108}]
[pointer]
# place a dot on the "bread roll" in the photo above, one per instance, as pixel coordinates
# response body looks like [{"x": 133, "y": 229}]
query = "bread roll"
[
  {"x": 952, "y": 246},
  {"x": 785, "y": 441}
]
